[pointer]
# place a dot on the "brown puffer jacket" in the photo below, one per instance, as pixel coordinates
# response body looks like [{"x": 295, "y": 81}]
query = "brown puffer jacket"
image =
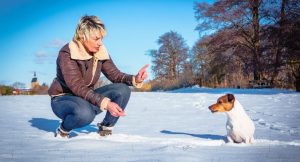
[{"x": 78, "y": 72}]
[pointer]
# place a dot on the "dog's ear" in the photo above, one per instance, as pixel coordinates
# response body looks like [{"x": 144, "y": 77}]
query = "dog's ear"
[{"x": 230, "y": 97}]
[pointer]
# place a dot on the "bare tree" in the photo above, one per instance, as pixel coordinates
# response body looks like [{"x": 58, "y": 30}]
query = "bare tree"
[
  {"x": 262, "y": 37},
  {"x": 281, "y": 42},
  {"x": 170, "y": 59},
  {"x": 240, "y": 16},
  {"x": 18, "y": 85},
  {"x": 159, "y": 68},
  {"x": 217, "y": 60},
  {"x": 292, "y": 41}
]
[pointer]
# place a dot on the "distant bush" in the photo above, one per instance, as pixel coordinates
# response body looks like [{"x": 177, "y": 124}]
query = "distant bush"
[
  {"x": 6, "y": 90},
  {"x": 167, "y": 84},
  {"x": 145, "y": 88}
]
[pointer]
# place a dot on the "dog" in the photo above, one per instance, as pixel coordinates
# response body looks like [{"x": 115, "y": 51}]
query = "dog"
[{"x": 239, "y": 126}]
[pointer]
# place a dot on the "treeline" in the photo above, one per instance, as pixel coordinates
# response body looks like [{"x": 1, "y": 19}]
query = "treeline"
[
  {"x": 18, "y": 88},
  {"x": 11, "y": 89},
  {"x": 240, "y": 41}
]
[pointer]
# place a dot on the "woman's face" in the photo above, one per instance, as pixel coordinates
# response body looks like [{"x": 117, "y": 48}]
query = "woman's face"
[{"x": 93, "y": 43}]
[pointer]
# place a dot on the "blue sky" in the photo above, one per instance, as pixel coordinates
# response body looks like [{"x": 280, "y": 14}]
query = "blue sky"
[{"x": 32, "y": 32}]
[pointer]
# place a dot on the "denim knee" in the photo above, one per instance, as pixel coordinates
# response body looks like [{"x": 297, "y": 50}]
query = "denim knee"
[
  {"x": 85, "y": 115},
  {"x": 123, "y": 89},
  {"x": 121, "y": 95}
]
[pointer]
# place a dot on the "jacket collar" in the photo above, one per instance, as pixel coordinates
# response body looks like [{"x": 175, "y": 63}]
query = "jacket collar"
[{"x": 78, "y": 52}]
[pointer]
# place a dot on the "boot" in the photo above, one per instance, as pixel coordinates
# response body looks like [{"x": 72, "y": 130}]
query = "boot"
[
  {"x": 60, "y": 133},
  {"x": 104, "y": 131}
]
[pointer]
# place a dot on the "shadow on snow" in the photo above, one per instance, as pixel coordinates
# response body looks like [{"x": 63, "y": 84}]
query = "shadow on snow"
[
  {"x": 204, "y": 136},
  {"x": 50, "y": 125}
]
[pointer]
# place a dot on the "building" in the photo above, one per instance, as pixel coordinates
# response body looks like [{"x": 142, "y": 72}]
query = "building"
[{"x": 34, "y": 82}]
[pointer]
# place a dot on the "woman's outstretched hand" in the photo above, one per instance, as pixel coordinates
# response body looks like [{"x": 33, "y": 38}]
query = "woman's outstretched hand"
[
  {"x": 142, "y": 74},
  {"x": 115, "y": 109}
]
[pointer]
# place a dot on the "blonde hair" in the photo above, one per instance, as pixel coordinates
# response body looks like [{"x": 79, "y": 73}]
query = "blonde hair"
[{"x": 87, "y": 25}]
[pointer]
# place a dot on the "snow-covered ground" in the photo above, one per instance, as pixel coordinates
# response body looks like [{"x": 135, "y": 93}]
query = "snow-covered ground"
[{"x": 159, "y": 126}]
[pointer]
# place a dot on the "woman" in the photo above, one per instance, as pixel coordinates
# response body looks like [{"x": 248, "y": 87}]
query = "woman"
[{"x": 79, "y": 65}]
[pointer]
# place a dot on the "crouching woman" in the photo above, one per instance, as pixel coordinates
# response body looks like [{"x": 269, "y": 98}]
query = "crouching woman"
[{"x": 79, "y": 65}]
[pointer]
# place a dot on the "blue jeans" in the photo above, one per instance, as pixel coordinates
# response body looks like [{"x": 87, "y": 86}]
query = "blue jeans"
[{"x": 76, "y": 112}]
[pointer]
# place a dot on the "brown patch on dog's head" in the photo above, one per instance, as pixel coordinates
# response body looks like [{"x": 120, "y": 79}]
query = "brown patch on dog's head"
[{"x": 225, "y": 103}]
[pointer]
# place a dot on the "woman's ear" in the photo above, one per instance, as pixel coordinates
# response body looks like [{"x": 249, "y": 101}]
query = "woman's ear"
[{"x": 81, "y": 36}]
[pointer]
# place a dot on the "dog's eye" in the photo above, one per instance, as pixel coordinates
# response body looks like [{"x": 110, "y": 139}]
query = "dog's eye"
[{"x": 219, "y": 102}]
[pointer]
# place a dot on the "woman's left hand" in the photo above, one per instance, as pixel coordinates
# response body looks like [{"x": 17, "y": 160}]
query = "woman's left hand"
[
  {"x": 115, "y": 109},
  {"x": 142, "y": 74}
]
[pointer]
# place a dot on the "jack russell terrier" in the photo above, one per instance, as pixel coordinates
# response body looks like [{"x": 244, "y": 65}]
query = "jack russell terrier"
[{"x": 239, "y": 126}]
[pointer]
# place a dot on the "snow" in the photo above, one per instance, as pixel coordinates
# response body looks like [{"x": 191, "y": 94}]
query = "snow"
[{"x": 159, "y": 126}]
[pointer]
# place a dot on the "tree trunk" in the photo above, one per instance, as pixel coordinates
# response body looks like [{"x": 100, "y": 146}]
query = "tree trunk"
[
  {"x": 297, "y": 84},
  {"x": 280, "y": 41},
  {"x": 255, "y": 23},
  {"x": 297, "y": 78},
  {"x": 173, "y": 67}
]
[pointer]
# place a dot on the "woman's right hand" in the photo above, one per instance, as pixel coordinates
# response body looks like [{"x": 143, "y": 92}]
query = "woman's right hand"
[{"x": 115, "y": 109}]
